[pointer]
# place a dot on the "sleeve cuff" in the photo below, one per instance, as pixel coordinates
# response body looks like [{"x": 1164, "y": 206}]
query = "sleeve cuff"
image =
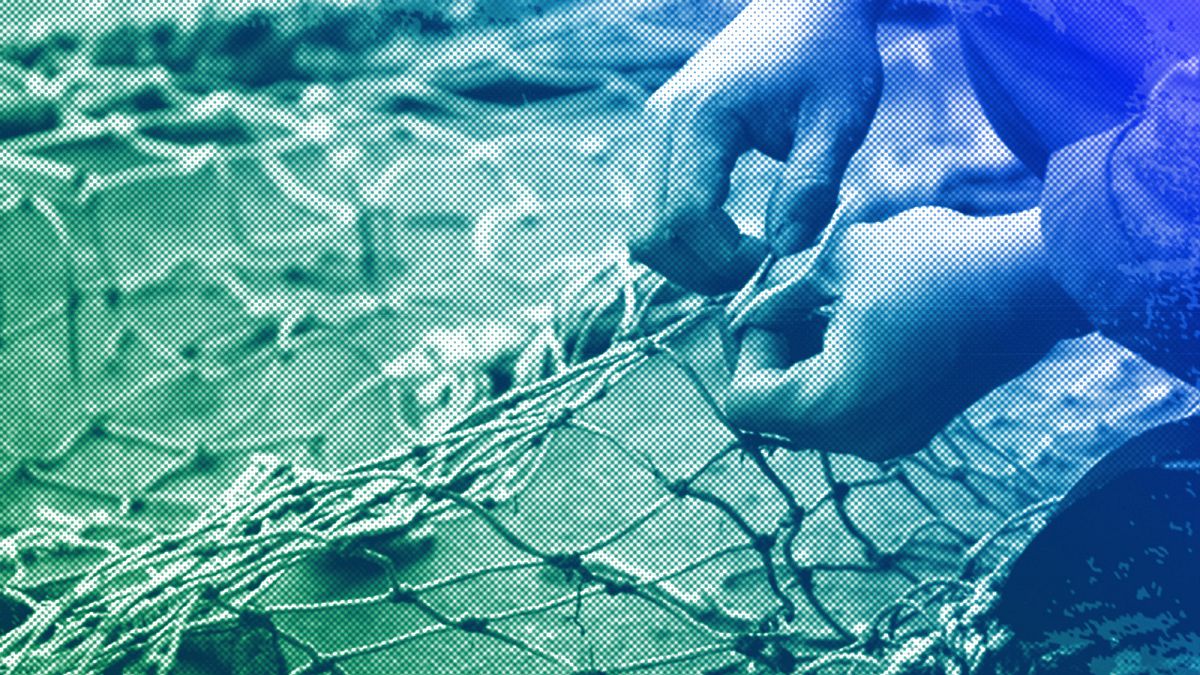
[
  {"x": 1083, "y": 232},
  {"x": 1106, "y": 245}
]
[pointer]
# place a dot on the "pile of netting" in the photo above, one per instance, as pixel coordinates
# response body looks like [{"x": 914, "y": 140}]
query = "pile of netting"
[
  {"x": 230, "y": 444},
  {"x": 553, "y": 580}
]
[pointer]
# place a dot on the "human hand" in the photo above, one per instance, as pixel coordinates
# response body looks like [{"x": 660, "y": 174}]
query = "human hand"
[
  {"x": 924, "y": 314},
  {"x": 798, "y": 81}
]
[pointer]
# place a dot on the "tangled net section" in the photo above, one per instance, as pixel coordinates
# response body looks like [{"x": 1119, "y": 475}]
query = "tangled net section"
[
  {"x": 220, "y": 459},
  {"x": 541, "y": 526}
]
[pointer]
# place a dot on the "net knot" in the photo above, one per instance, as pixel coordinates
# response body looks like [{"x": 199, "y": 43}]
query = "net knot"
[
  {"x": 202, "y": 458},
  {"x": 472, "y": 624},
  {"x": 252, "y": 618},
  {"x": 206, "y": 550},
  {"x": 112, "y": 298},
  {"x": 793, "y": 518},
  {"x": 567, "y": 562},
  {"x": 97, "y": 428},
  {"x": 462, "y": 482},
  {"x": 403, "y": 595},
  {"x": 559, "y": 418},
  {"x": 210, "y": 593},
  {"x": 649, "y": 346},
  {"x": 189, "y": 351},
  {"x": 839, "y": 490},
  {"x": 763, "y": 543},
  {"x": 883, "y": 561},
  {"x": 618, "y": 587},
  {"x": 304, "y": 504},
  {"x": 281, "y": 470},
  {"x": 679, "y": 488},
  {"x": 133, "y": 504},
  {"x": 750, "y": 646},
  {"x": 804, "y": 579},
  {"x": 378, "y": 499}
]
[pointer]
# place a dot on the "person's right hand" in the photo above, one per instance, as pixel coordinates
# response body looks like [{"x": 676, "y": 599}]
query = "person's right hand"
[
  {"x": 798, "y": 80},
  {"x": 926, "y": 313}
]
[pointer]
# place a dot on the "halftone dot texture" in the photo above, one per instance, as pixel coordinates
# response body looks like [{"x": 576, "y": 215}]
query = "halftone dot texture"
[{"x": 212, "y": 461}]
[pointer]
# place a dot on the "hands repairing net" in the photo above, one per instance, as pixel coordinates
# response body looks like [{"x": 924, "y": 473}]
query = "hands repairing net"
[{"x": 215, "y": 464}]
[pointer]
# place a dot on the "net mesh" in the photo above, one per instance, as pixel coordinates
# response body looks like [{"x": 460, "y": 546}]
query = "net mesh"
[{"x": 213, "y": 461}]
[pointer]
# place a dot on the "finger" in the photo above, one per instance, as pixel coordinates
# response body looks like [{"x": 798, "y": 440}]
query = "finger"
[
  {"x": 692, "y": 150},
  {"x": 701, "y": 259},
  {"x": 806, "y": 194},
  {"x": 686, "y": 236},
  {"x": 807, "y": 290},
  {"x": 799, "y": 401},
  {"x": 705, "y": 144},
  {"x": 700, "y": 155},
  {"x": 650, "y": 241}
]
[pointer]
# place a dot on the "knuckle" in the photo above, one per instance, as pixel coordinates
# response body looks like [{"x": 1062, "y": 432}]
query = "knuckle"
[{"x": 646, "y": 245}]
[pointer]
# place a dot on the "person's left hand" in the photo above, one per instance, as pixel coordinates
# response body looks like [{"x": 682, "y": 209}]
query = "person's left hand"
[{"x": 919, "y": 316}]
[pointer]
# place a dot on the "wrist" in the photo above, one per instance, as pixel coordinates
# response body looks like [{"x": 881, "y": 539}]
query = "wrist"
[{"x": 1038, "y": 295}]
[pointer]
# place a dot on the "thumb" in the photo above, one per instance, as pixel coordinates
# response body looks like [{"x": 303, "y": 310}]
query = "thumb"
[{"x": 771, "y": 394}]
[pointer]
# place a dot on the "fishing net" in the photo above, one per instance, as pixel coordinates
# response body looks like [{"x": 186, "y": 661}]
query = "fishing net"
[{"x": 234, "y": 443}]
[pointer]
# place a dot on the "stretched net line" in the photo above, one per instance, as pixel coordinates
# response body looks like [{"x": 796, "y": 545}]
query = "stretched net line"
[
  {"x": 601, "y": 519},
  {"x": 144, "y": 601}
]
